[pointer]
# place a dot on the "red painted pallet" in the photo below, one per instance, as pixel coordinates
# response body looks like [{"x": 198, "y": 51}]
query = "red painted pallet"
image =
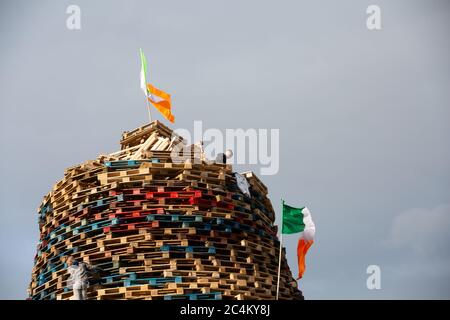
[{"x": 174, "y": 194}]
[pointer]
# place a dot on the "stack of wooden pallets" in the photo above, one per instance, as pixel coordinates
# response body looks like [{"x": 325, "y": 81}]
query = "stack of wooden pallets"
[{"x": 158, "y": 229}]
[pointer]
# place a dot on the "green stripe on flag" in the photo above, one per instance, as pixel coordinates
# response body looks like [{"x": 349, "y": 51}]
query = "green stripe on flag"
[
  {"x": 292, "y": 219},
  {"x": 144, "y": 65}
]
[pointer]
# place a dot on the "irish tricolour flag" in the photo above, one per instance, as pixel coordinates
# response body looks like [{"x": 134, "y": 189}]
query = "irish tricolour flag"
[
  {"x": 299, "y": 220},
  {"x": 158, "y": 98}
]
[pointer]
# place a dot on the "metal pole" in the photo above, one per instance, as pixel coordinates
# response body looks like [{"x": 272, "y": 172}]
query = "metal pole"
[
  {"x": 281, "y": 247},
  {"x": 148, "y": 109}
]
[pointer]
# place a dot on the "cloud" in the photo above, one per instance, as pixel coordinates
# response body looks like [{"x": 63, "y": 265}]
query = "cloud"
[{"x": 426, "y": 231}]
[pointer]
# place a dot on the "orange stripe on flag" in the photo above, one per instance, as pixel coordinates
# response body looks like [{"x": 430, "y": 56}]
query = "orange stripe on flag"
[
  {"x": 302, "y": 248},
  {"x": 165, "y": 105},
  {"x": 157, "y": 92}
]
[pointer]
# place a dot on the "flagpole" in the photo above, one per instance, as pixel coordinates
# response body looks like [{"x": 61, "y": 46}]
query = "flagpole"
[
  {"x": 281, "y": 247},
  {"x": 148, "y": 109}
]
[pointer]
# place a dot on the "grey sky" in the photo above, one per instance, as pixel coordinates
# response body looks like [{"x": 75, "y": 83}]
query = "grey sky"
[{"x": 363, "y": 118}]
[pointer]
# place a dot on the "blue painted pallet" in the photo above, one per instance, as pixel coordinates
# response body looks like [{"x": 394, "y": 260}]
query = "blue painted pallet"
[
  {"x": 54, "y": 237},
  {"x": 152, "y": 281},
  {"x": 56, "y": 260},
  {"x": 46, "y": 209},
  {"x": 95, "y": 226},
  {"x": 50, "y": 268},
  {"x": 43, "y": 212},
  {"x": 124, "y": 163},
  {"x": 48, "y": 296},
  {"x": 203, "y": 227},
  {"x": 208, "y": 227},
  {"x": 54, "y": 232},
  {"x": 46, "y": 274},
  {"x": 195, "y": 296},
  {"x": 41, "y": 295},
  {"x": 103, "y": 202},
  {"x": 115, "y": 278},
  {"x": 132, "y": 278},
  {"x": 174, "y": 218},
  {"x": 196, "y": 249},
  {"x": 100, "y": 203},
  {"x": 121, "y": 164},
  {"x": 176, "y": 279}
]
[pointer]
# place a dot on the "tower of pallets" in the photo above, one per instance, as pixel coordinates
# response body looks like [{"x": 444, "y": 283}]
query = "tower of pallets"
[{"x": 158, "y": 229}]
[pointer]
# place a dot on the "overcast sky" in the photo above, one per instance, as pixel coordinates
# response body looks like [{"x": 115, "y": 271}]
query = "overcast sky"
[{"x": 363, "y": 118}]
